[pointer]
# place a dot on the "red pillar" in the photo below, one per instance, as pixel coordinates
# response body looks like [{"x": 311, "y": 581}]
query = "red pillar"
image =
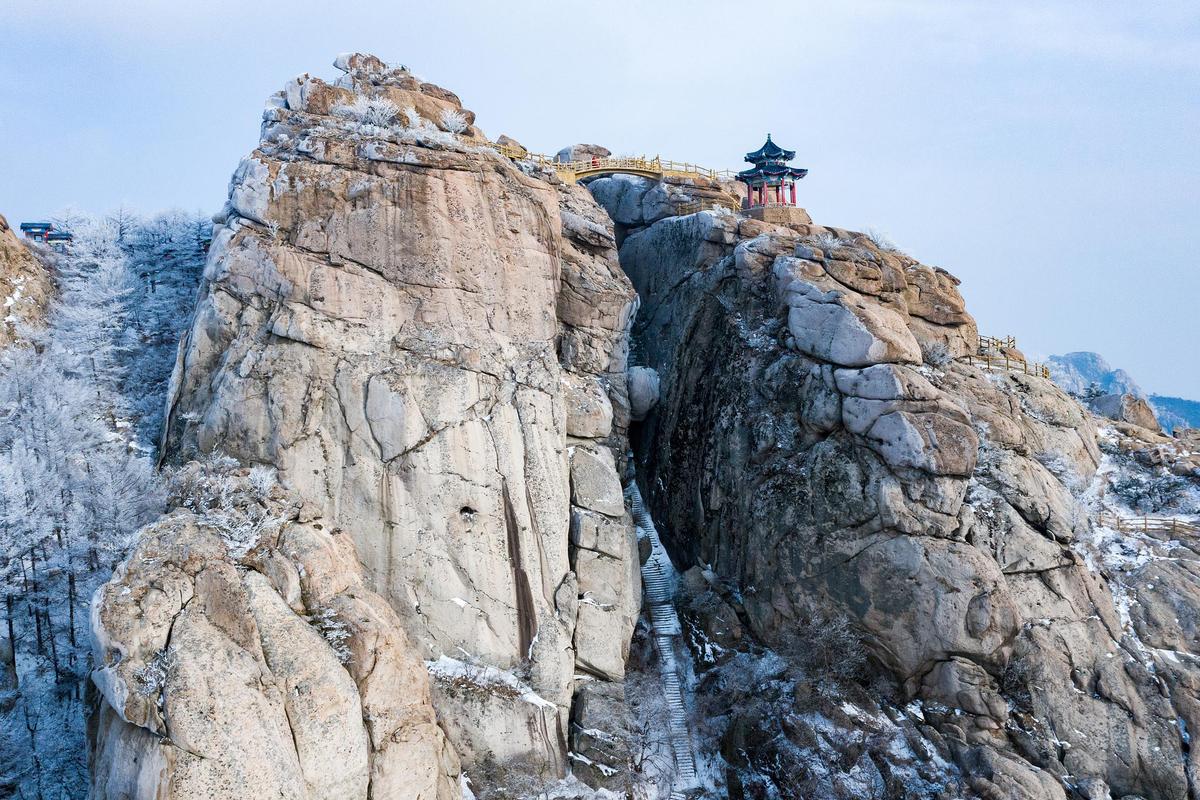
[
  {"x": 793, "y": 193},
  {"x": 779, "y": 193},
  {"x": 749, "y": 195}
]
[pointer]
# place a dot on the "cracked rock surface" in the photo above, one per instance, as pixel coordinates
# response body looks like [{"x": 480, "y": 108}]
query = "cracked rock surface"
[
  {"x": 817, "y": 440},
  {"x": 428, "y": 345}
]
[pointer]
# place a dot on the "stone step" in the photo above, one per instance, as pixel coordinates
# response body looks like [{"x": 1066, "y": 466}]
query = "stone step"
[{"x": 658, "y": 585}]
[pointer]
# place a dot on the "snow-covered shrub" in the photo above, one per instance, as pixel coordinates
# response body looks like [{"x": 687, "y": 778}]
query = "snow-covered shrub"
[
  {"x": 153, "y": 675},
  {"x": 829, "y": 241},
  {"x": 334, "y": 631},
  {"x": 646, "y": 735},
  {"x": 1151, "y": 492},
  {"x": 231, "y": 500},
  {"x": 936, "y": 354},
  {"x": 823, "y": 645},
  {"x": 378, "y": 112},
  {"x": 453, "y": 121},
  {"x": 1015, "y": 680},
  {"x": 881, "y": 241}
]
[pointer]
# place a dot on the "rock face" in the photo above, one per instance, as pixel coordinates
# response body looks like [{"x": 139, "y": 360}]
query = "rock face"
[
  {"x": 817, "y": 441},
  {"x": 25, "y": 285},
  {"x": 429, "y": 347},
  {"x": 634, "y": 201},
  {"x": 272, "y": 672}
]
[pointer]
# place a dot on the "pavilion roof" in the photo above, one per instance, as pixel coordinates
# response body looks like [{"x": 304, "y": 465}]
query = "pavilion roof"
[
  {"x": 770, "y": 170},
  {"x": 770, "y": 152}
]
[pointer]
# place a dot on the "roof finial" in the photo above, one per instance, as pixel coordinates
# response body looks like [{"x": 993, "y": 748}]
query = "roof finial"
[{"x": 768, "y": 137}]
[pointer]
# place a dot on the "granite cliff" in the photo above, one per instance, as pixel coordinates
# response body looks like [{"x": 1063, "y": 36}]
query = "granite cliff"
[
  {"x": 400, "y": 562},
  {"x": 428, "y": 347}
]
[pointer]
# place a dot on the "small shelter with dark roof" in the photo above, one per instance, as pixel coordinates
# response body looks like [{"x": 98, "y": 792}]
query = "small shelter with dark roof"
[
  {"x": 771, "y": 182},
  {"x": 36, "y": 230},
  {"x": 59, "y": 239}
]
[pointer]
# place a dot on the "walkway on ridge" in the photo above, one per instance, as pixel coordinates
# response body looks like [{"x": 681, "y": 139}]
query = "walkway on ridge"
[
  {"x": 571, "y": 171},
  {"x": 993, "y": 353},
  {"x": 658, "y": 578}
]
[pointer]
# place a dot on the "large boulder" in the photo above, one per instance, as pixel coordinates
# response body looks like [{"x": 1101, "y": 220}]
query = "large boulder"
[
  {"x": 1126, "y": 408},
  {"x": 271, "y": 671},
  {"x": 582, "y": 152},
  {"x": 643, "y": 392}
]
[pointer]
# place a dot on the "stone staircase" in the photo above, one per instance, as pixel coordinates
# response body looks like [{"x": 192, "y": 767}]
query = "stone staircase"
[{"x": 658, "y": 576}]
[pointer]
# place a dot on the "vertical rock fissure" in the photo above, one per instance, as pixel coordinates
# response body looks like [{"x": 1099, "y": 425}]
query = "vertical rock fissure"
[{"x": 526, "y": 618}]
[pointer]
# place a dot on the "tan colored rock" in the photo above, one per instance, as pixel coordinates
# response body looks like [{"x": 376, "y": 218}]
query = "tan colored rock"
[
  {"x": 594, "y": 482},
  {"x": 25, "y": 285},
  {"x": 846, "y": 330},
  {"x": 589, "y": 409},
  {"x": 1126, "y": 408},
  {"x": 610, "y": 589},
  {"x": 413, "y": 332},
  {"x": 219, "y": 679}
]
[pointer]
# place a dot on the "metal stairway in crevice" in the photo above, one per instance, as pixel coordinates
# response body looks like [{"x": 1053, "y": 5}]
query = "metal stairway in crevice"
[{"x": 657, "y": 582}]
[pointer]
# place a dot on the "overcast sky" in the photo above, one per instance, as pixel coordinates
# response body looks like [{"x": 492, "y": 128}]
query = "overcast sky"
[{"x": 1047, "y": 153}]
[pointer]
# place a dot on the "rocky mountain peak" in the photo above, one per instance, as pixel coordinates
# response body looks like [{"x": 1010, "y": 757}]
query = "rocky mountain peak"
[
  {"x": 401, "y": 560},
  {"x": 429, "y": 348}
]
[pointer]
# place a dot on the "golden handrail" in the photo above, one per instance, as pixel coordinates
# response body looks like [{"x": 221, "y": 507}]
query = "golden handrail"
[
  {"x": 683, "y": 209},
  {"x": 573, "y": 170}
]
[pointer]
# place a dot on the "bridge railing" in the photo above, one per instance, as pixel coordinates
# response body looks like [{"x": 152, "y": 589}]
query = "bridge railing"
[
  {"x": 1148, "y": 524},
  {"x": 656, "y": 165}
]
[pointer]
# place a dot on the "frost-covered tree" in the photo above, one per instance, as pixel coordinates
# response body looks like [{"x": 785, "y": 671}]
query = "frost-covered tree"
[
  {"x": 166, "y": 255},
  {"x": 79, "y": 411}
]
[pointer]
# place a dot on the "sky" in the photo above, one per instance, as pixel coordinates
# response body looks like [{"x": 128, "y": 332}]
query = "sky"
[{"x": 1046, "y": 153}]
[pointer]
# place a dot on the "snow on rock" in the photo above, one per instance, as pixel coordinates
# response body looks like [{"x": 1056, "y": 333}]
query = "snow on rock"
[{"x": 821, "y": 440}]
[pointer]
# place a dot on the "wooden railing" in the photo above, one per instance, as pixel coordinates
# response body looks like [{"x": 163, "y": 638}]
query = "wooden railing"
[
  {"x": 995, "y": 343},
  {"x": 992, "y": 354},
  {"x": 1148, "y": 524},
  {"x": 1006, "y": 363}
]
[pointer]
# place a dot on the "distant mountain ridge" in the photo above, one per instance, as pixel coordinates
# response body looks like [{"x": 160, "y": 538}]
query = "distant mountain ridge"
[
  {"x": 1077, "y": 372},
  {"x": 1175, "y": 412}
]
